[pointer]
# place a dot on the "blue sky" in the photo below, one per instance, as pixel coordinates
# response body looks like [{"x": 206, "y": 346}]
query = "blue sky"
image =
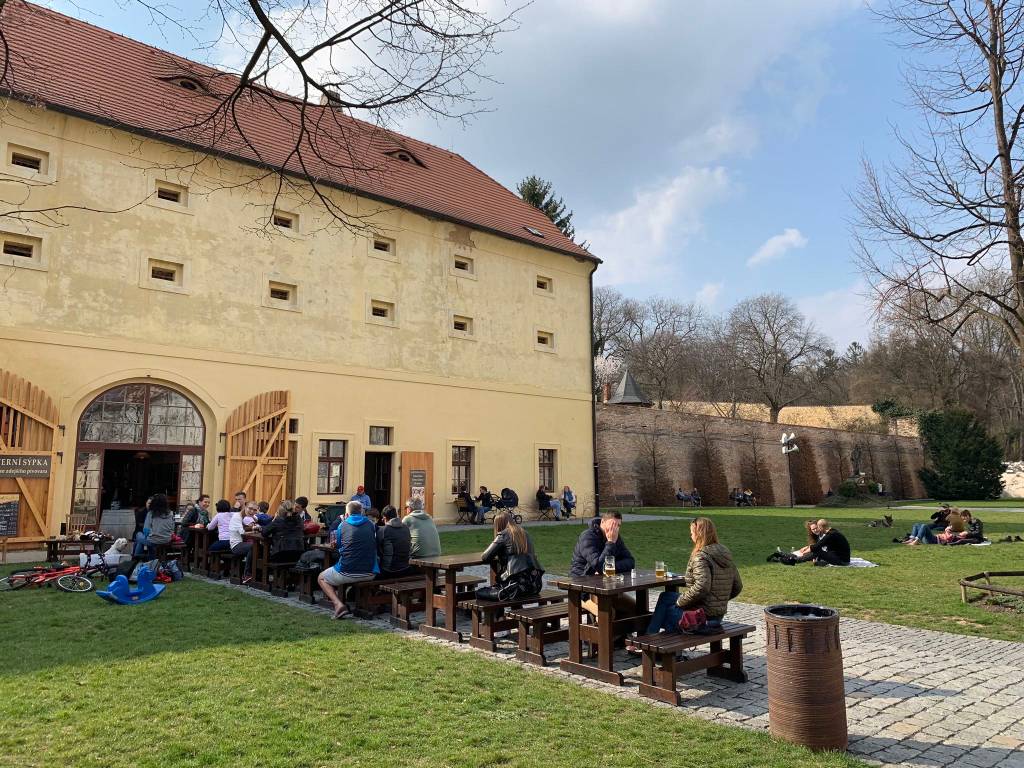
[{"x": 707, "y": 148}]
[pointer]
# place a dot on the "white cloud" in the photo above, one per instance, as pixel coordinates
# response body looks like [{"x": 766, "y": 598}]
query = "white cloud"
[
  {"x": 709, "y": 293},
  {"x": 638, "y": 242},
  {"x": 843, "y": 314},
  {"x": 776, "y": 246}
]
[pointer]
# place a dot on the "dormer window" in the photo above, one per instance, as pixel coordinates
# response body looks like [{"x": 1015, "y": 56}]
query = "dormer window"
[
  {"x": 405, "y": 156},
  {"x": 187, "y": 82}
]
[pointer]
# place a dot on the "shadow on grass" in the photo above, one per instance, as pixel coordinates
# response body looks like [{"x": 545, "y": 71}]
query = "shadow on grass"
[{"x": 46, "y": 628}]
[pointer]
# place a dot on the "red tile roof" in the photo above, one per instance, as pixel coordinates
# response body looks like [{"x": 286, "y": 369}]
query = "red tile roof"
[{"x": 79, "y": 69}]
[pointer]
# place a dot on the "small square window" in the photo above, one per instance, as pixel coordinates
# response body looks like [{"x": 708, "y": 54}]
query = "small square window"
[
  {"x": 17, "y": 250},
  {"x": 380, "y": 309},
  {"x": 27, "y": 160},
  {"x": 380, "y": 435},
  {"x": 294, "y": 426},
  {"x": 283, "y": 220},
  {"x": 461, "y": 327},
  {"x": 545, "y": 341},
  {"x": 164, "y": 275},
  {"x": 171, "y": 193},
  {"x": 381, "y": 312},
  {"x": 463, "y": 264},
  {"x": 381, "y": 247},
  {"x": 281, "y": 295},
  {"x": 544, "y": 285}
]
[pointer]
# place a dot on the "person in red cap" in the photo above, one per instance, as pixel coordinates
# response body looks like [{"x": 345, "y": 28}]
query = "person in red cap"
[{"x": 362, "y": 498}]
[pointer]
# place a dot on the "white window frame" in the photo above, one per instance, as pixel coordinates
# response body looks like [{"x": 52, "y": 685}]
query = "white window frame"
[
  {"x": 182, "y": 265},
  {"x": 387, "y": 322},
  {"x": 391, "y": 255},
  {"x": 271, "y": 279},
  {"x": 548, "y": 348},
  {"x": 550, "y": 292},
  {"x": 39, "y": 260}
]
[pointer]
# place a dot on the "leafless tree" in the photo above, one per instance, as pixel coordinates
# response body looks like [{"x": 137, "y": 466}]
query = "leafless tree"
[
  {"x": 613, "y": 313},
  {"x": 940, "y": 234},
  {"x": 785, "y": 358},
  {"x": 303, "y": 70},
  {"x": 656, "y": 345},
  {"x": 712, "y": 373}
]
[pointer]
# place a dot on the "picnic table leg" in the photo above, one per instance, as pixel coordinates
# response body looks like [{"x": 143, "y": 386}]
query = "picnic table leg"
[
  {"x": 603, "y": 671},
  {"x": 261, "y": 565},
  {"x": 733, "y": 669},
  {"x": 606, "y": 631},
  {"x": 451, "y": 603},
  {"x": 448, "y": 602}
]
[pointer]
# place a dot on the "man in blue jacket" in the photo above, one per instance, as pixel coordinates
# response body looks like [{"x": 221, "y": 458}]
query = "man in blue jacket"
[
  {"x": 600, "y": 540},
  {"x": 357, "y": 557},
  {"x": 362, "y": 497}
]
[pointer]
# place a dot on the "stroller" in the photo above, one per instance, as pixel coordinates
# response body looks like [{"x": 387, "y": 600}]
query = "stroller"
[{"x": 509, "y": 501}]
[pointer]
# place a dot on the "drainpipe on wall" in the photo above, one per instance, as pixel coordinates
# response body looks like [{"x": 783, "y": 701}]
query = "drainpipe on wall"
[{"x": 593, "y": 396}]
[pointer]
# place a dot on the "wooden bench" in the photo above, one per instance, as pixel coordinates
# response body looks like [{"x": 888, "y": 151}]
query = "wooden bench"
[
  {"x": 489, "y": 616},
  {"x": 409, "y": 597},
  {"x": 369, "y": 596},
  {"x": 279, "y": 574},
  {"x": 305, "y": 581},
  {"x": 627, "y": 500},
  {"x": 660, "y": 668},
  {"x": 538, "y": 627}
]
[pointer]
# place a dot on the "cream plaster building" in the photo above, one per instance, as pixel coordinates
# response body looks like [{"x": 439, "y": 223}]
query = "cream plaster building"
[{"x": 208, "y": 338}]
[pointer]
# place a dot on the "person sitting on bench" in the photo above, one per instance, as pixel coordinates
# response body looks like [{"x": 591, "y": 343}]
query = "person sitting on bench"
[
  {"x": 600, "y": 540},
  {"x": 285, "y": 534},
  {"x": 512, "y": 551},
  {"x": 425, "y": 540},
  {"x": 712, "y": 580},
  {"x": 357, "y": 558},
  {"x": 832, "y": 548},
  {"x": 158, "y": 527},
  {"x": 219, "y": 523},
  {"x": 394, "y": 542},
  {"x": 544, "y": 501}
]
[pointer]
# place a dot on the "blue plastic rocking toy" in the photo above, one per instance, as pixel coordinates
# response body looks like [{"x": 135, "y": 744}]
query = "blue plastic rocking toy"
[{"x": 121, "y": 594}]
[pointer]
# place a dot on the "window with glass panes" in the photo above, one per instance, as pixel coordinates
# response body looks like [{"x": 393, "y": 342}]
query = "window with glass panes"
[
  {"x": 546, "y": 467},
  {"x": 380, "y": 435},
  {"x": 462, "y": 468},
  {"x": 330, "y": 467}
]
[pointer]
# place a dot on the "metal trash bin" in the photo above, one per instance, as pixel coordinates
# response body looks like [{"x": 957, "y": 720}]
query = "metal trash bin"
[{"x": 806, "y": 693}]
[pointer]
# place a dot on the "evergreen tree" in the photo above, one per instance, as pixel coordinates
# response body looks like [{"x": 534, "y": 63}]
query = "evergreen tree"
[
  {"x": 964, "y": 462},
  {"x": 537, "y": 192}
]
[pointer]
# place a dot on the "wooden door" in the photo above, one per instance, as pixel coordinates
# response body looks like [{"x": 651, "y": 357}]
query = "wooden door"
[
  {"x": 28, "y": 421},
  {"x": 256, "y": 449},
  {"x": 417, "y": 468}
]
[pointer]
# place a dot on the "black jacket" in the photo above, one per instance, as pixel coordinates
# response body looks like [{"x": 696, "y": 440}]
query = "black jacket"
[
  {"x": 394, "y": 541},
  {"x": 510, "y": 561},
  {"x": 592, "y": 548},
  {"x": 285, "y": 534},
  {"x": 833, "y": 541}
]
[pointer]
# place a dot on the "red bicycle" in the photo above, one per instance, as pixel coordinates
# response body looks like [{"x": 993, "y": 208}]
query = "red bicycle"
[{"x": 68, "y": 578}]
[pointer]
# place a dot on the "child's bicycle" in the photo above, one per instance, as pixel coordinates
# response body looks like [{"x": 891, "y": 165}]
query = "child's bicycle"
[{"x": 68, "y": 578}]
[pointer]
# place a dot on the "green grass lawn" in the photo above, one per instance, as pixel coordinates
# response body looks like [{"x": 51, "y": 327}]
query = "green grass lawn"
[
  {"x": 207, "y": 677},
  {"x": 914, "y": 586}
]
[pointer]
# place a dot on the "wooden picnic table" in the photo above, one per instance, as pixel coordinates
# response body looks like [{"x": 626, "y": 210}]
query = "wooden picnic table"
[
  {"x": 604, "y": 590},
  {"x": 56, "y": 548},
  {"x": 442, "y": 574}
]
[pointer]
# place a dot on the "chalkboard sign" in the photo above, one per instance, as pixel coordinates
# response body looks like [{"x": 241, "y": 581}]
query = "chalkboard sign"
[
  {"x": 10, "y": 506},
  {"x": 417, "y": 478}
]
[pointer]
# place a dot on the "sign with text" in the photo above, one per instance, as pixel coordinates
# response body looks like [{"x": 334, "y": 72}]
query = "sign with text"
[
  {"x": 10, "y": 506},
  {"x": 13, "y": 465},
  {"x": 418, "y": 484}
]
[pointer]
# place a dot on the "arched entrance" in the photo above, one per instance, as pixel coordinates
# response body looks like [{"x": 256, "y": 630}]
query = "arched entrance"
[{"x": 135, "y": 440}]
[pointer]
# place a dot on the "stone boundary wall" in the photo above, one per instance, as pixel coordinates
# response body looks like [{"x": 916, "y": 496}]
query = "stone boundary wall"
[{"x": 650, "y": 452}]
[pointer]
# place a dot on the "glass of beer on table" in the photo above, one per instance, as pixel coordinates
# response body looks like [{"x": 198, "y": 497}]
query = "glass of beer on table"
[
  {"x": 659, "y": 569},
  {"x": 609, "y": 566}
]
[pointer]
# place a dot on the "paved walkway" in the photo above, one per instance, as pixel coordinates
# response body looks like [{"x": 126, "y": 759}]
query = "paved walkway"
[{"x": 914, "y": 697}]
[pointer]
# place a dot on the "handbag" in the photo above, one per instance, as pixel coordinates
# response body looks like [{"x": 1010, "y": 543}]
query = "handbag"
[
  {"x": 692, "y": 621},
  {"x": 519, "y": 587}
]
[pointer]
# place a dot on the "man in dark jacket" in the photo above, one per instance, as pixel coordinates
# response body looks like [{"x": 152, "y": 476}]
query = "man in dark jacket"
[
  {"x": 832, "y": 548},
  {"x": 601, "y": 540},
  {"x": 394, "y": 542},
  {"x": 357, "y": 558}
]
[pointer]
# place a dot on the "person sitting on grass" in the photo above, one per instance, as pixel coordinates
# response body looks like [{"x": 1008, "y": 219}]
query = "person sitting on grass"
[
  {"x": 423, "y": 533},
  {"x": 545, "y": 501},
  {"x": 285, "y": 534},
  {"x": 940, "y": 517},
  {"x": 973, "y": 533},
  {"x": 831, "y": 548},
  {"x": 599, "y": 541},
  {"x": 394, "y": 542},
  {"x": 512, "y": 551},
  {"x": 712, "y": 580},
  {"x": 357, "y": 558}
]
